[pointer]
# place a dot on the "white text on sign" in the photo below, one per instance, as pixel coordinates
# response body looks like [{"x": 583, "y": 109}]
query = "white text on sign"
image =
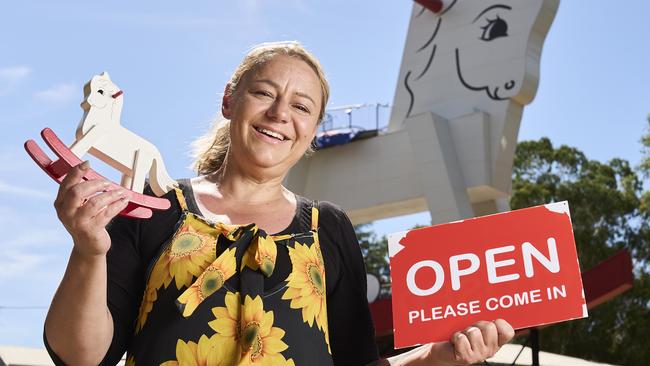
[
  {"x": 491, "y": 304},
  {"x": 529, "y": 251}
]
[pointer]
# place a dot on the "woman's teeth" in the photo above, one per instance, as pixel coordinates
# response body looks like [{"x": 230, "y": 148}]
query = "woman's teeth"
[{"x": 270, "y": 133}]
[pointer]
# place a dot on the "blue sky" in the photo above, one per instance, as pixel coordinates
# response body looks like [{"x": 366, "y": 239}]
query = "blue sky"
[{"x": 172, "y": 61}]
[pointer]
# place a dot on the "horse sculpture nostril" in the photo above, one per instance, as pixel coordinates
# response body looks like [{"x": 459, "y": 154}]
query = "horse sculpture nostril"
[{"x": 509, "y": 85}]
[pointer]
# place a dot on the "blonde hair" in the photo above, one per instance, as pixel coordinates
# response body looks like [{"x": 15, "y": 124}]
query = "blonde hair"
[{"x": 209, "y": 150}]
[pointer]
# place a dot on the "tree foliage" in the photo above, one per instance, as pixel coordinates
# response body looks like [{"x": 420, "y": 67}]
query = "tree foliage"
[
  {"x": 375, "y": 254},
  {"x": 609, "y": 212}
]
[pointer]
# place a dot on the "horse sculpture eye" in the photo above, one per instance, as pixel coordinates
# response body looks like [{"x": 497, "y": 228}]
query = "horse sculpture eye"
[
  {"x": 100, "y": 92},
  {"x": 496, "y": 28}
]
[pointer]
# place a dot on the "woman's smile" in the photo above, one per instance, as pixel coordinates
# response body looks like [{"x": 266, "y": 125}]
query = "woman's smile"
[{"x": 268, "y": 135}]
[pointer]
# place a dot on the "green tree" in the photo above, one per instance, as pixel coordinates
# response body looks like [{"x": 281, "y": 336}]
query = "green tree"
[
  {"x": 375, "y": 254},
  {"x": 609, "y": 211},
  {"x": 644, "y": 167}
]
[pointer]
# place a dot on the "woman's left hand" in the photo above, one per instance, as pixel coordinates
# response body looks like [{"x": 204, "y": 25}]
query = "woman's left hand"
[{"x": 474, "y": 344}]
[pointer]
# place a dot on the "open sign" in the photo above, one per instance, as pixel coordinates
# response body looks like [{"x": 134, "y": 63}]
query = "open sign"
[{"x": 521, "y": 266}]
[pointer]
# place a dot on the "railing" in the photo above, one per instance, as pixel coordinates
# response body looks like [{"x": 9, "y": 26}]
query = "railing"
[{"x": 359, "y": 117}]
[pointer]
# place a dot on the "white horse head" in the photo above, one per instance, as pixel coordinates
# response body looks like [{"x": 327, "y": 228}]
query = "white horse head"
[
  {"x": 474, "y": 53},
  {"x": 102, "y": 102},
  {"x": 474, "y": 56}
]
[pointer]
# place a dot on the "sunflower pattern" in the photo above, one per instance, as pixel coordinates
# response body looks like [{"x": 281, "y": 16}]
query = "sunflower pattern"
[
  {"x": 211, "y": 280},
  {"x": 249, "y": 326},
  {"x": 261, "y": 254},
  {"x": 191, "y": 250},
  {"x": 130, "y": 361},
  {"x": 242, "y": 322},
  {"x": 306, "y": 285},
  {"x": 207, "y": 352}
]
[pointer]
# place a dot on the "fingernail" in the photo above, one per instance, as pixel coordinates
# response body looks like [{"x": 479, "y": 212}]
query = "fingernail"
[
  {"x": 471, "y": 329},
  {"x": 85, "y": 165}
]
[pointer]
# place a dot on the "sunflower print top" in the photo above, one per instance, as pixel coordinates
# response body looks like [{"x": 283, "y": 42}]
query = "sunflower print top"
[
  {"x": 206, "y": 292},
  {"x": 183, "y": 290}
]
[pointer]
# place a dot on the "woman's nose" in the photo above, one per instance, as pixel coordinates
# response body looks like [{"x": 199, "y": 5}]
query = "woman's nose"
[{"x": 279, "y": 111}]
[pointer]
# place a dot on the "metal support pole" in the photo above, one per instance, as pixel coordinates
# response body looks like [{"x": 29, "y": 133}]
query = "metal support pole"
[
  {"x": 534, "y": 345},
  {"x": 377, "y": 116}
]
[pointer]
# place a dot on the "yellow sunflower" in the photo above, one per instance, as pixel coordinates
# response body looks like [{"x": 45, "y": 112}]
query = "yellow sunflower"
[
  {"x": 207, "y": 352},
  {"x": 261, "y": 254},
  {"x": 150, "y": 296},
  {"x": 252, "y": 328},
  {"x": 130, "y": 361},
  {"x": 306, "y": 285},
  {"x": 209, "y": 281},
  {"x": 191, "y": 250},
  {"x": 189, "y": 254}
]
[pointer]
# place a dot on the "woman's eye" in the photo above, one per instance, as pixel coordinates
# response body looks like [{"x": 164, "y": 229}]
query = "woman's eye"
[
  {"x": 302, "y": 108},
  {"x": 496, "y": 28},
  {"x": 263, "y": 93}
]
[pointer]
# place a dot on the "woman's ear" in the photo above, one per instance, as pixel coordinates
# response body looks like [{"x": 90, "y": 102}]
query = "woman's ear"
[{"x": 226, "y": 102}]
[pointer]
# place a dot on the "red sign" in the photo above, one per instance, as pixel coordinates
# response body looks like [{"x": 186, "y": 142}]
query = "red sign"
[{"x": 521, "y": 266}]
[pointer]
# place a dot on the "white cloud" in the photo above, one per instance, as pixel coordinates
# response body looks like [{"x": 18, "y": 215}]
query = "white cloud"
[
  {"x": 17, "y": 264},
  {"x": 10, "y": 77},
  {"x": 176, "y": 21},
  {"x": 158, "y": 21},
  {"x": 300, "y": 5},
  {"x": 10, "y": 161},
  {"x": 251, "y": 4},
  {"x": 14, "y": 73},
  {"x": 24, "y": 253},
  {"x": 61, "y": 93},
  {"x": 34, "y": 239},
  {"x": 22, "y": 191},
  {"x": 14, "y": 160}
]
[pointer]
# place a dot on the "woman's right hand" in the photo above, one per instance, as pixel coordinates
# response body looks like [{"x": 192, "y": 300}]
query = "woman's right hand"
[{"x": 85, "y": 208}]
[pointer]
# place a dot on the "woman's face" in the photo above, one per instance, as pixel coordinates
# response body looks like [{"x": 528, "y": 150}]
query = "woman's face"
[{"x": 274, "y": 114}]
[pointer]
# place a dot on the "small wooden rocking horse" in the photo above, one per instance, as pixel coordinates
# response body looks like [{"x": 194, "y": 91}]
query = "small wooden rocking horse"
[{"x": 101, "y": 134}]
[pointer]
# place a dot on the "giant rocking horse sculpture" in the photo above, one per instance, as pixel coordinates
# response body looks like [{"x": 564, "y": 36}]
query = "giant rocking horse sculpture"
[
  {"x": 468, "y": 69},
  {"x": 101, "y": 134}
]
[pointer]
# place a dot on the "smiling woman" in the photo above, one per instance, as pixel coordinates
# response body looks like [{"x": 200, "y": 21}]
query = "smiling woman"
[
  {"x": 210, "y": 149},
  {"x": 206, "y": 282}
]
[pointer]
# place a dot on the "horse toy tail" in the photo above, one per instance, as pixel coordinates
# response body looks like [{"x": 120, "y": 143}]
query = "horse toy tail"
[{"x": 159, "y": 179}]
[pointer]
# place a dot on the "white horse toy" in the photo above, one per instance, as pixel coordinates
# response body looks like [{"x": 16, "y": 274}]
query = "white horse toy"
[{"x": 101, "y": 134}]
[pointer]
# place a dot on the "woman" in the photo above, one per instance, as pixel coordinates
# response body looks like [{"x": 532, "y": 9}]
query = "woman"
[{"x": 198, "y": 284}]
